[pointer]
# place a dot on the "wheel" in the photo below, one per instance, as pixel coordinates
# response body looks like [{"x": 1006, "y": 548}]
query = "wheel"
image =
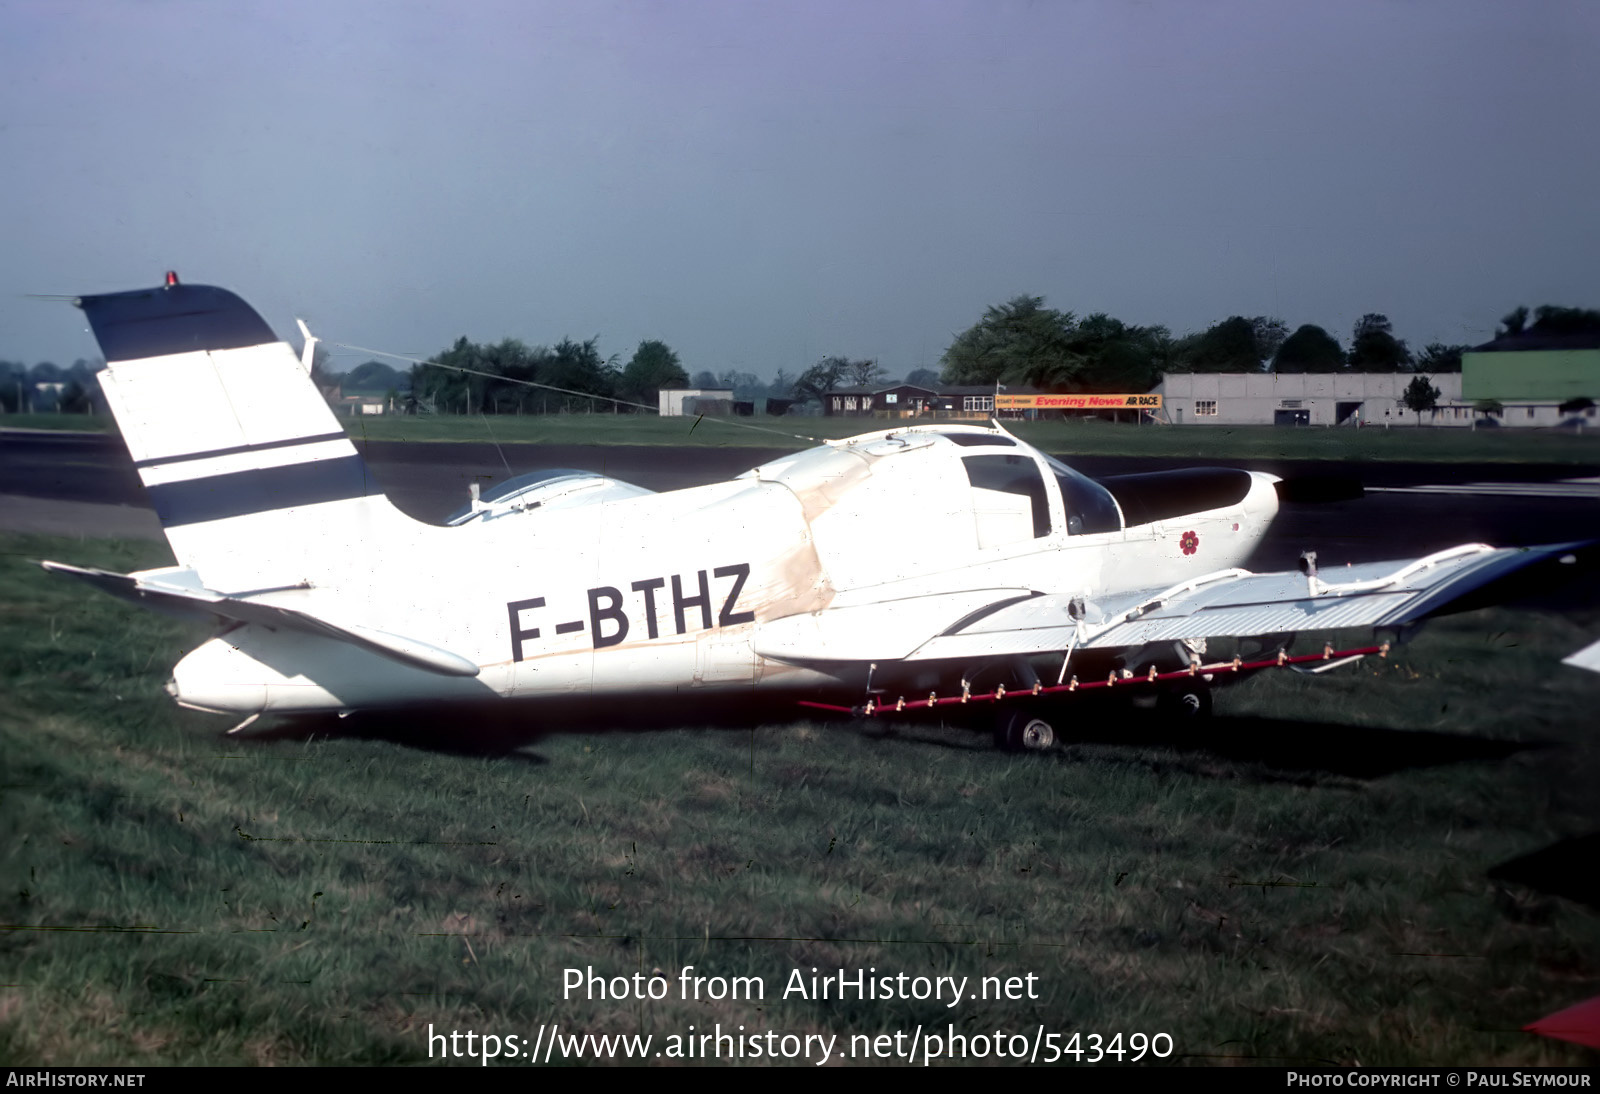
[
  {"x": 1189, "y": 703},
  {"x": 1024, "y": 731}
]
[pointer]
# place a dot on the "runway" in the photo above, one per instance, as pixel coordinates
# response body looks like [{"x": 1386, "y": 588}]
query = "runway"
[
  {"x": 85, "y": 484},
  {"x": 1566, "y": 488}
]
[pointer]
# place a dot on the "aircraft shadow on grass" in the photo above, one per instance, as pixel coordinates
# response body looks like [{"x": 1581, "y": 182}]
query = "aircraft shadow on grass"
[
  {"x": 1291, "y": 751},
  {"x": 1358, "y": 752},
  {"x": 508, "y": 730},
  {"x": 1566, "y": 868},
  {"x": 1270, "y": 749},
  {"x": 502, "y": 728}
]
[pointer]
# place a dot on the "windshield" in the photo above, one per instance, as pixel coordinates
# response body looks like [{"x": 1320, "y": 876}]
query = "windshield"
[{"x": 1090, "y": 506}]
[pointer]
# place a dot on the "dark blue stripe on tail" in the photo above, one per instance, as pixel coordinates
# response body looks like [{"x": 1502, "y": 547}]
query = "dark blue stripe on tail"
[
  {"x": 189, "y": 457},
  {"x": 240, "y": 493},
  {"x": 172, "y": 319}
]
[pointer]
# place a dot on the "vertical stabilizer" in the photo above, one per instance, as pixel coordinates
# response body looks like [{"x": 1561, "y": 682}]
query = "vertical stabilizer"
[{"x": 255, "y": 482}]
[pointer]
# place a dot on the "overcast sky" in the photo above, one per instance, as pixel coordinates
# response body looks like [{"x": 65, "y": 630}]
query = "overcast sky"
[{"x": 762, "y": 184}]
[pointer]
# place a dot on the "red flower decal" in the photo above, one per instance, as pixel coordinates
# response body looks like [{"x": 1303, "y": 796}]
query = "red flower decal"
[{"x": 1190, "y": 543}]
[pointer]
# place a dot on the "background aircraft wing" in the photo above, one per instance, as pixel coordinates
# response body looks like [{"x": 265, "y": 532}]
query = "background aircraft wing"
[
  {"x": 1229, "y": 603},
  {"x": 1586, "y": 658}
]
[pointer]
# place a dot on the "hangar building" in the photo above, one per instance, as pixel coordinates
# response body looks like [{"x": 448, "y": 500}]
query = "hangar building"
[
  {"x": 1559, "y": 367},
  {"x": 1369, "y": 398}
]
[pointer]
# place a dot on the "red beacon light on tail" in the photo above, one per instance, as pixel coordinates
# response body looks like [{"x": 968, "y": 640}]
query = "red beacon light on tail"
[{"x": 172, "y": 278}]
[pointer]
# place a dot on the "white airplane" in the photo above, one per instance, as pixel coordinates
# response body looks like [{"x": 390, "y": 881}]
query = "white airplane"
[{"x": 916, "y": 567}]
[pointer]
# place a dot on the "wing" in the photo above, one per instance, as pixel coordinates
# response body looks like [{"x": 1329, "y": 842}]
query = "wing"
[
  {"x": 175, "y": 591},
  {"x": 1231, "y": 603}
]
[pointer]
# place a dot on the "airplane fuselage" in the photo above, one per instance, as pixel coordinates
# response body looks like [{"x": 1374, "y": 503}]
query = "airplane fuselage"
[
  {"x": 670, "y": 593},
  {"x": 924, "y": 558}
]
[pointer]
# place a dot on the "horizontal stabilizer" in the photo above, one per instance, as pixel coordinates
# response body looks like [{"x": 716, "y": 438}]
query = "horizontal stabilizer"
[{"x": 175, "y": 591}]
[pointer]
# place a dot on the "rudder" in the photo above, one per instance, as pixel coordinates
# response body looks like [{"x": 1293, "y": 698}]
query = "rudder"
[{"x": 255, "y": 482}]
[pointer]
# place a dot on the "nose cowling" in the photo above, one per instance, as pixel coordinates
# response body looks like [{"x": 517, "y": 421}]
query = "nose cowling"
[{"x": 1264, "y": 496}]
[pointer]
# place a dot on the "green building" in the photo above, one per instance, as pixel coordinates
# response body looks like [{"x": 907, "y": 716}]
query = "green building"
[{"x": 1534, "y": 367}]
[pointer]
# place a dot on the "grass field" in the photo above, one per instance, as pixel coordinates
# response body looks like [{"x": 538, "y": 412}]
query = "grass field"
[
  {"x": 1307, "y": 878},
  {"x": 1082, "y": 438}
]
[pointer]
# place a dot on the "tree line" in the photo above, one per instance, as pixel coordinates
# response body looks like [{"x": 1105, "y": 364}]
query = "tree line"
[
  {"x": 510, "y": 377},
  {"x": 1024, "y": 342},
  {"x": 78, "y": 390},
  {"x": 1020, "y": 342}
]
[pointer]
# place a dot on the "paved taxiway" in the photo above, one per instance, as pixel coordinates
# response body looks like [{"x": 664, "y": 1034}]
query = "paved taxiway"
[{"x": 85, "y": 484}]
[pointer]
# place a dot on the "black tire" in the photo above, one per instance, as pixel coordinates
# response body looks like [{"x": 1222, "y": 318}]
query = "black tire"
[
  {"x": 1024, "y": 731},
  {"x": 1188, "y": 703}
]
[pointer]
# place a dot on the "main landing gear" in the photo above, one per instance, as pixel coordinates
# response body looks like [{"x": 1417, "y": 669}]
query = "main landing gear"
[
  {"x": 1024, "y": 730},
  {"x": 1189, "y": 703},
  {"x": 1031, "y": 727}
]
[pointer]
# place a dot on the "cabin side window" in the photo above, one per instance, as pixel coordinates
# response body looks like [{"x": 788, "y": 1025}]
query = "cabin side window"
[{"x": 1009, "y": 502}]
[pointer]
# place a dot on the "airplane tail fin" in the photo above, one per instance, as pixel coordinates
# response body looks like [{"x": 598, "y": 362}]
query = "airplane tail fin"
[{"x": 253, "y": 479}]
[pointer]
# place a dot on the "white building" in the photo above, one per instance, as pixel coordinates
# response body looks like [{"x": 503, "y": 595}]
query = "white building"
[
  {"x": 357, "y": 405},
  {"x": 673, "y": 398},
  {"x": 1328, "y": 398}
]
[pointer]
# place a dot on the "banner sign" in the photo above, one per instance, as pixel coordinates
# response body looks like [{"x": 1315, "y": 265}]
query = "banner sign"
[{"x": 1077, "y": 402}]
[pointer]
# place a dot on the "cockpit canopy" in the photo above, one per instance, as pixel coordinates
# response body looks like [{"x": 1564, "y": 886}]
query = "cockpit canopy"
[
  {"x": 1089, "y": 506},
  {"x": 958, "y": 493}
]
